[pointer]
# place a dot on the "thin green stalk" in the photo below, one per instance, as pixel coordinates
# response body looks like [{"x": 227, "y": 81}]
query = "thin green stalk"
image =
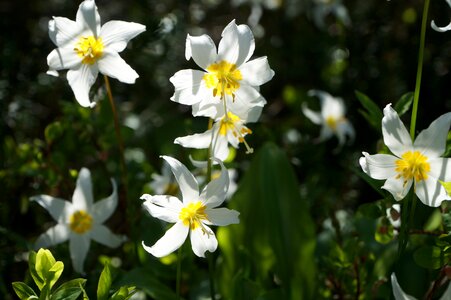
[
  {"x": 179, "y": 272},
  {"x": 209, "y": 152},
  {"x": 211, "y": 269}
]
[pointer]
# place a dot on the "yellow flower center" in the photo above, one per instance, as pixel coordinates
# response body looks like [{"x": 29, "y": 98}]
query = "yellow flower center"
[
  {"x": 332, "y": 122},
  {"x": 192, "y": 215},
  {"x": 229, "y": 123},
  {"x": 413, "y": 165},
  {"x": 89, "y": 48},
  {"x": 223, "y": 78},
  {"x": 80, "y": 222}
]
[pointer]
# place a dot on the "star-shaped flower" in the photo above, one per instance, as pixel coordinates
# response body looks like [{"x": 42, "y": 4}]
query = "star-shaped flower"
[
  {"x": 193, "y": 214},
  {"x": 227, "y": 73},
  {"x": 85, "y": 48},
  {"x": 418, "y": 163},
  {"x": 441, "y": 29},
  {"x": 79, "y": 221},
  {"x": 331, "y": 118}
]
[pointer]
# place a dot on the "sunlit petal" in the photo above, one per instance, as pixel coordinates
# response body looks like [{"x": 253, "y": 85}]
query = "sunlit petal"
[
  {"x": 171, "y": 241},
  {"x": 203, "y": 239}
]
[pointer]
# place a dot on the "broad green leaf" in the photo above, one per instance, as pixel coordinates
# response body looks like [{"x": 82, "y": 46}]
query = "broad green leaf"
[
  {"x": 275, "y": 236},
  {"x": 104, "y": 285},
  {"x": 44, "y": 262},
  {"x": 404, "y": 103},
  {"x": 70, "y": 290},
  {"x": 32, "y": 267},
  {"x": 430, "y": 257},
  {"x": 373, "y": 114},
  {"x": 55, "y": 273},
  {"x": 23, "y": 291}
]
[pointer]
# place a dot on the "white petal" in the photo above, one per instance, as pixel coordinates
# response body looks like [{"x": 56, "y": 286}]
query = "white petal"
[
  {"x": 103, "y": 235},
  {"x": 64, "y": 32},
  {"x": 112, "y": 65},
  {"x": 237, "y": 44},
  {"x": 431, "y": 192},
  {"x": 53, "y": 236},
  {"x": 88, "y": 16},
  {"x": 63, "y": 58},
  {"x": 171, "y": 241},
  {"x": 330, "y": 106},
  {"x": 440, "y": 29},
  {"x": 397, "y": 290},
  {"x": 203, "y": 239},
  {"x": 189, "y": 86},
  {"x": 395, "y": 134},
  {"x": 80, "y": 80},
  {"x": 249, "y": 94},
  {"x": 345, "y": 128},
  {"x": 163, "y": 207},
  {"x": 220, "y": 147},
  {"x": 187, "y": 183},
  {"x": 397, "y": 187},
  {"x": 222, "y": 216},
  {"x": 326, "y": 133},
  {"x": 59, "y": 209},
  {"x": 79, "y": 246},
  {"x": 431, "y": 142},
  {"x": 196, "y": 141},
  {"x": 103, "y": 209},
  {"x": 440, "y": 168},
  {"x": 82, "y": 197},
  {"x": 116, "y": 34},
  {"x": 216, "y": 190},
  {"x": 202, "y": 49},
  {"x": 256, "y": 72},
  {"x": 379, "y": 166},
  {"x": 313, "y": 116},
  {"x": 447, "y": 294},
  {"x": 52, "y": 31}
]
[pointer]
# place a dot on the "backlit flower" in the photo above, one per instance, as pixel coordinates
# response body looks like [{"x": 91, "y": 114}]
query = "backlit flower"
[
  {"x": 85, "y": 48},
  {"x": 418, "y": 164},
  {"x": 226, "y": 73},
  {"x": 331, "y": 118},
  {"x": 79, "y": 221},
  {"x": 193, "y": 214},
  {"x": 441, "y": 29}
]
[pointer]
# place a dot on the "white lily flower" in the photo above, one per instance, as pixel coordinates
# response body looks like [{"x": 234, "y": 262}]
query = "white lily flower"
[
  {"x": 399, "y": 294},
  {"x": 79, "y": 221},
  {"x": 441, "y": 29},
  {"x": 227, "y": 73},
  {"x": 417, "y": 163},
  {"x": 192, "y": 215},
  {"x": 331, "y": 118},
  {"x": 85, "y": 48},
  {"x": 323, "y": 8}
]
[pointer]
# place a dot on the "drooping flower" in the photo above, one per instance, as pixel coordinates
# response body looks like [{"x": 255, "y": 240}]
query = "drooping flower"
[
  {"x": 441, "y": 29},
  {"x": 79, "y": 221},
  {"x": 193, "y": 214},
  {"x": 331, "y": 118},
  {"x": 418, "y": 163},
  {"x": 399, "y": 294},
  {"x": 85, "y": 48},
  {"x": 226, "y": 73}
]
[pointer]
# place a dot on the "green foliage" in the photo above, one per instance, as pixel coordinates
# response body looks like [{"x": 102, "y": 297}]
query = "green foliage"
[
  {"x": 104, "y": 285},
  {"x": 372, "y": 113},
  {"x": 404, "y": 103}
]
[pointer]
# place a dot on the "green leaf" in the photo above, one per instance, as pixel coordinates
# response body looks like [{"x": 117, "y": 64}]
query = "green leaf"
[
  {"x": 32, "y": 266},
  {"x": 123, "y": 293},
  {"x": 55, "y": 272},
  {"x": 404, "y": 103},
  {"x": 372, "y": 210},
  {"x": 384, "y": 231},
  {"x": 47, "y": 267},
  {"x": 430, "y": 257},
  {"x": 373, "y": 113},
  {"x": 104, "y": 285},
  {"x": 23, "y": 291},
  {"x": 70, "y": 290}
]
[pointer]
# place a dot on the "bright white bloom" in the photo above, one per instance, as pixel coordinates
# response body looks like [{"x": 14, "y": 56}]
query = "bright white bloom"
[
  {"x": 417, "y": 163},
  {"x": 85, "y": 48},
  {"x": 227, "y": 73},
  {"x": 331, "y": 118},
  {"x": 400, "y": 295},
  {"x": 79, "y": 221},
  {"x": 325, "y": 7},
  {"x": 441, "y": 29},
  {"x": 193, "y": 214}
]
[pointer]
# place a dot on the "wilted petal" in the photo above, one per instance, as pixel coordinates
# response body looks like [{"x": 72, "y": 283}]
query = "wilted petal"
[
  {"x": 116, "y": 34},
  {"x": 397, "y": 290},
  {"x": 256, "y": 72},
  {"x": 112, "y": 65},
  {"x": 63, "y": 58},
  {"x": 103, "y": 235},
  {"x": 88, "y": 16},
  {"x": 202, "y": 49},
  {"x": 79, "y": 246},
  {"x": 397, "y": 187},
  {"x": 203, "y": 239},
  {"x": 53, "y": 236},
  {"x": 189, "y": 86},
  {"x": 80, "y": 80},
  {"x": 59, "y": 209},
  {"x": 216, "y": 190},
  {"x": 163, "y": 207},
  {"x": 187, "y": 183},
  {"x": 395, "y": 134},
  {"x": 171, "y": 241},
  {"x": 431, "y": 142},
  {"x": 103, "y": 209},
  {"x": 222, "y": 216},
  {"x": 82, "y": 198},
  {"x": 379, "y": 166},
  {"x": 431, "y": 192},
  {"x": 313, "y": 116}
]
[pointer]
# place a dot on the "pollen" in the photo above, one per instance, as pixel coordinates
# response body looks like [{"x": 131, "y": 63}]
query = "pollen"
[
  {"x": 89, "y": 48},
  {"x": 192, "y": 215},
  {"x": 80, "y": 222},
  {"x": 413, "y": 165},
  {"x": 223, "y": 78}
]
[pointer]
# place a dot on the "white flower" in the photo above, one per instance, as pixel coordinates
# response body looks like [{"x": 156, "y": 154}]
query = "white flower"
[
  {"x": 79, "y": 221},
  {"x": 227, "y": 73},
  {"x": 325, "y": 7},
  {"x": 192, "y": 215},
  {"x": 331, "y": 118},
  {"x": 417, "y": 163},
  {"x": 401, "y": 295},
  {"x": 85, "y": 48},
  {"x": 441, "y": 29}
]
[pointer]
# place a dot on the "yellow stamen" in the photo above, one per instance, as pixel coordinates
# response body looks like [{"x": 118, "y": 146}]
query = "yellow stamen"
[
  {"x": 413, "y": 165},
  {"x": 229, "y": 123},
  {"x": 89, "y": 48},
  {"x": 333, "y": 122},
  {"x": 223, "y": 77},
  {"x": 192, "y": 215},
  {"x": 80, "y": 222}
]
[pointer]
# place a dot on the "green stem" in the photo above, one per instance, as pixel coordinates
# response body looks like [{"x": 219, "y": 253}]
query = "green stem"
[
  {"x": 179, "y": 272},
  {"x": 209, "y": 153},
  {"x": 416, "y": 95},
  {"x": 211, "y": 269}
]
